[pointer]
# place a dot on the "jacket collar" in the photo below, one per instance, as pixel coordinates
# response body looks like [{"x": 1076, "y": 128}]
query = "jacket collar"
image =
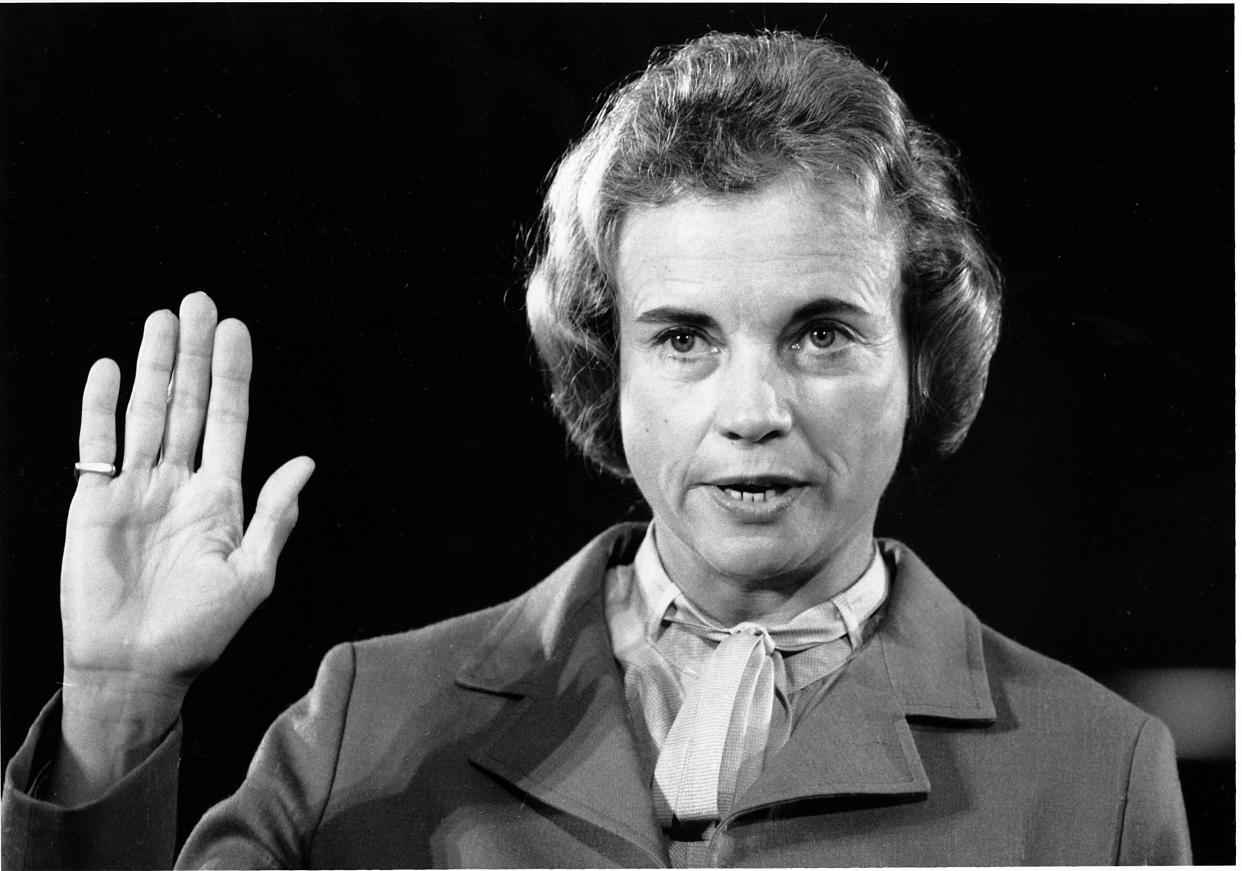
[
  {"x": 569, "y": 742},
  {"x": 556, "y": 630},
  {"x": 933, "y": 645}
]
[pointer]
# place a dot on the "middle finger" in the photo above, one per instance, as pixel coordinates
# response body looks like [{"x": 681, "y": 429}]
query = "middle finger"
[{"x": 188, "y": 404}]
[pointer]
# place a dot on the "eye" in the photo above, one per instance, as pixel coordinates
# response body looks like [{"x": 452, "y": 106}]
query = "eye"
[
  {"x": 682, "y": 342},
  {"x": 683, "y": 345},
  {"x": 823, "y": 336}
]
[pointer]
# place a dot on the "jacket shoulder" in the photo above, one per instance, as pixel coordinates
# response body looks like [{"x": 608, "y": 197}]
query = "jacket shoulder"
[
  {"x": 936, "y": 635},
  {"x": 1094, "y": 751},
  {"x": 440, "y": 648},
  {"x": 1031, "y": 682},
  {"x": 423, "y": 657}
]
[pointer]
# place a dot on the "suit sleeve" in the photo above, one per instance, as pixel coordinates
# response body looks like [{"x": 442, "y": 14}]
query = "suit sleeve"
[
  {"x": 270, "y": 822},
  {"x": 1154, "y": 828},
  {"x": 133, "y": 825}
]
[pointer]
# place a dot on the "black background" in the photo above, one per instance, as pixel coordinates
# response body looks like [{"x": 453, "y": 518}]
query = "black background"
[{"x": 355, "y": 183}]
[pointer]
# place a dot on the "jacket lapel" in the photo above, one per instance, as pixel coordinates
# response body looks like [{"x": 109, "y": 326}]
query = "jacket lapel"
[
  {"x": 925, "y": 661},
  {"x": 854, "y": 742},
  {"x": 567, "y": 740}
]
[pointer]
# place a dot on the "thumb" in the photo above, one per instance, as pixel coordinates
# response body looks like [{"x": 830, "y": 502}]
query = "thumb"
[{"x": 274, "y": 518}]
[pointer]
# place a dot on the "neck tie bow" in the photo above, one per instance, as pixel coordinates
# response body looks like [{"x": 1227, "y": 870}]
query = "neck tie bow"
[{"x": 714, "y": 750}]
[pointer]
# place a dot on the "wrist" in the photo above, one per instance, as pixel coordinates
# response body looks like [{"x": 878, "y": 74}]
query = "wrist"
[
  {"x": 135, "y": 704},
  {"x": 110, "y": 723}
]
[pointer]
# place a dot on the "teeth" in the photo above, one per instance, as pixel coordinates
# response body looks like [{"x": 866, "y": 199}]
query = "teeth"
[{"x": 742, "y": 496}]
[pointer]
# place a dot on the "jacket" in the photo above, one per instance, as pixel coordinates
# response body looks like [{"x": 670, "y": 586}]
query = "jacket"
[{"x": 501, "y": 739}]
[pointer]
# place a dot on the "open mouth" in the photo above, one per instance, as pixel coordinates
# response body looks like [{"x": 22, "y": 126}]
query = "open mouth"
[{"x": 756, "y": 490}]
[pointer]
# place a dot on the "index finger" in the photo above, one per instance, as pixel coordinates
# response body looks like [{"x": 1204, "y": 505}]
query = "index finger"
[{"x": 228, "y": 408}]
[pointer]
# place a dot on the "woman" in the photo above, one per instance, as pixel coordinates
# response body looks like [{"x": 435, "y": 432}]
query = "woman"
[{"x": 757, "y": 294}]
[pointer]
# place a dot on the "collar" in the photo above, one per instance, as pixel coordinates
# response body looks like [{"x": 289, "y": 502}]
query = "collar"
[
  {"x": 931, "y": 643},
  {"x": 554, "y": 628}
]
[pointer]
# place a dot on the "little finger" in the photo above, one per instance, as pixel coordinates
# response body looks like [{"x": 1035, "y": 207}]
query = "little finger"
[{"x": 97, "y": 435}]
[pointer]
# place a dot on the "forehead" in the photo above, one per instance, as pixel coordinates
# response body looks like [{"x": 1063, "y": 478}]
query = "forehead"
[{"x": 783, "y": 243}]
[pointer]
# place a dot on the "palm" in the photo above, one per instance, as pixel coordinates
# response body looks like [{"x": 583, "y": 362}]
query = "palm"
[
  {"x": 159, "y": 569},
  {"x": 148, "y": 582}
]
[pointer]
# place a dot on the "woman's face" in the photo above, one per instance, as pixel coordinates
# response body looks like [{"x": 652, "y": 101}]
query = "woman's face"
[{"x": 763, "y": 381}]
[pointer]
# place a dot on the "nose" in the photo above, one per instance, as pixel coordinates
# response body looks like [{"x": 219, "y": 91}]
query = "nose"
[{"x": 751, "y": 404}]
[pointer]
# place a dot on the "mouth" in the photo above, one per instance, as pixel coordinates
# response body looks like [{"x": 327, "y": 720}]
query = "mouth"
[{"x": 756, "y": 489}]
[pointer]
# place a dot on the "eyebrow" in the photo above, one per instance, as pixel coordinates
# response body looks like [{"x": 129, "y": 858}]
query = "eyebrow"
[
  {"x": 828, "y": 305},
  {"x": 675, "y": 315}
]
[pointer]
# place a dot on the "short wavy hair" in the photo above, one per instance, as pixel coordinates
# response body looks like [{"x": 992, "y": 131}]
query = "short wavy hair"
[{"x": 726, "y": 114}]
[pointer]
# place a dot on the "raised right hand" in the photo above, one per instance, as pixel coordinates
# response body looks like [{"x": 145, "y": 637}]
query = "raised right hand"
[{"x": 159, "y": 572}]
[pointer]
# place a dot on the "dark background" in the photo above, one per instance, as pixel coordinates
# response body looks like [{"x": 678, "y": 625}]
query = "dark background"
[{"x": 355, "y": 183}]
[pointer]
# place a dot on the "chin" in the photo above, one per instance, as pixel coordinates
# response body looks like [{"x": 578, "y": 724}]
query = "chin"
[{"x": 754, "y": 556}]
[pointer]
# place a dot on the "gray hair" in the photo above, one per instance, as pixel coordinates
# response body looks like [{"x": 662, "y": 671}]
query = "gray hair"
[{"x": 726, "y": 114}]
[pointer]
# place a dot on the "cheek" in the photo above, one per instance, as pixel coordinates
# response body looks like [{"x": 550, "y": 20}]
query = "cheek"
[
  {"x": 658, "y": 425},
  {"x": 643, "y": 421},
  {"x": 861, "y": 424}
]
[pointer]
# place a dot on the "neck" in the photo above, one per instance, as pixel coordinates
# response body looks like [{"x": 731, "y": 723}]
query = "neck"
[{"x": 768, "y": 599}]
